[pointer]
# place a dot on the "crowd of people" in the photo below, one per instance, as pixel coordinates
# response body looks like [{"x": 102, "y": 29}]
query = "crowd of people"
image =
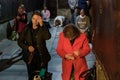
[{"x": 72, "y": 46}]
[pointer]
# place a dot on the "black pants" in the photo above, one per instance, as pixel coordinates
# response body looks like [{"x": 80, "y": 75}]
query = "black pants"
[
  {"x": 35, "y": 65},
  {"x": 72, "y": 15}
]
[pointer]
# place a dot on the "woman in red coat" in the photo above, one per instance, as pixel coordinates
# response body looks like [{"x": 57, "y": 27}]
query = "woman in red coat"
[{"x": 72, "y": 47}]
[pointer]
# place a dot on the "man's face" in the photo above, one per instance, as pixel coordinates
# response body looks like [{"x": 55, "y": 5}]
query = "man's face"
[{"x": 35, "y": 19}]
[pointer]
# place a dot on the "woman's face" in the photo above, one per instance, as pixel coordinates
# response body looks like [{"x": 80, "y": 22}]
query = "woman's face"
[
  {"x": 20, "y": 9},
  {"x": 82, "y": 12},
  {"x": 35, "y": 19}
]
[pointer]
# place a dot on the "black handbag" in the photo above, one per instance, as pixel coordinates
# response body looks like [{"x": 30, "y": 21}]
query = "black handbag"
[{"x": 89, "y": 74}]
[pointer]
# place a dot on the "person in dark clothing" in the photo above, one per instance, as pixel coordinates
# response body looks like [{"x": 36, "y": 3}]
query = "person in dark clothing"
[
  {"x": 86, "y": 5},
  {"x": 21, "y": 19},
  {"x": 33, "y": 42},
  {"x": 72, "y": 4},
  {"x": 82, "y": 4}
]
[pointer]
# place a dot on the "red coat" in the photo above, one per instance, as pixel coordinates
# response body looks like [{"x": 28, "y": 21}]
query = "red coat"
[
  {"x": 81, "y": 44},
  {"x": 64, "y": 47}
]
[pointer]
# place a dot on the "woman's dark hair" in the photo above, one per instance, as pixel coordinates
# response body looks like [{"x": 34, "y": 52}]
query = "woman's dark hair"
[
  {"x": 21, "y": 5},
  {"x": 70, "y": 31},
  {"x": 36, "y": 13}
]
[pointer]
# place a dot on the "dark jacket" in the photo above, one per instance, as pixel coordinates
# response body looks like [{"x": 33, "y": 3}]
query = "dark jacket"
[
  {"x": 25, "y": 40},
  {"x": 82, "y": 4}
]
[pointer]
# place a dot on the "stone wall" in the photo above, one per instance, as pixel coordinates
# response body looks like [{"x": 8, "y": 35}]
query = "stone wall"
[{"x": 64, "y": 12}]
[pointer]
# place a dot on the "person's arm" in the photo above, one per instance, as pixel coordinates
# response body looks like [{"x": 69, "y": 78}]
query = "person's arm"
[
  {"x": 88, "y": 21},
  {"x": 44, "y": 30},
  {"x": 84, "y": 48},
  {"x": 72, "y": 4},
  {"x": 23, "y": 18},
  {"x": 76, "y": 22},
  {"x": 48, "y": 14},
  {"x": 46, "y": 33},
  {"x": 59, "y": 48}
]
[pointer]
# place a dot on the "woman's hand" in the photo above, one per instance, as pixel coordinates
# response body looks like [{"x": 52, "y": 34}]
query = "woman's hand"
[
  {"x": 76, "y": 53},
  {"x": 18, "y": 17},
  {"x": 69, "y": 57},
  {"x": 39, "y": 20},
  {"x": 31, "y": 49}
]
